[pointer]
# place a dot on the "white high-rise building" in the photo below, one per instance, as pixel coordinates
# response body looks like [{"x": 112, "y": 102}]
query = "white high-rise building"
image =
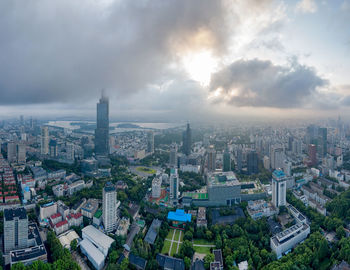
[
  {"x": 266, "y": 161},
  {"x": 109, "y": 207},
  {"x": 173, "y": 155},
  {"x": 174, "y": 185},
  {"x": 277, "y": 157},
  {"x": 44, "y": 140},
  {"x": 70, "y": 151},
  {"x": 156, "y": 187},
  {"x": 279, "y": 188},
  {"x": 287, "y": 167}
]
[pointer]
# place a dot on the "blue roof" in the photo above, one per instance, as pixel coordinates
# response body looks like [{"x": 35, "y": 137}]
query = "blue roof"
[
  {"x": 279, "y": 173},
  {"x": 179, "y": 215}
]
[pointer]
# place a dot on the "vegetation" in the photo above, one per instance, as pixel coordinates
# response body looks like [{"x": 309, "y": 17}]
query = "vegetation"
[{"x": 192, "y": 181}]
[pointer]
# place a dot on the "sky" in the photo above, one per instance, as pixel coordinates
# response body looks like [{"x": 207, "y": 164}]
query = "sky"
[{"x": 175, "y": 60}]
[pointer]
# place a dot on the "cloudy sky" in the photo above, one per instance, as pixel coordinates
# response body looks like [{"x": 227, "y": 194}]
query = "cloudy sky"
[{"x": 176, "y": 59}]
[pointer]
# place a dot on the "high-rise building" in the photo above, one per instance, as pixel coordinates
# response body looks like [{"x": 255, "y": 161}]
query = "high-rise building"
[
  {"x": 44, "y": 140},
  {"x": 15, "y": 229},
  {"x": 70, "y": 149},
  {"x": 277, "y": 157},
  {"x": 174, "y": 185},
  {"x": 11, "y": 152},
  {"x": 252, "y": 162},
  {"x": 266, "y": 162},
  {"x": 187, "y": 140},
  {"x": 211, "y": 158},
  {"x": 227, "y": 161},
  {"x": 322, "y": 141},
  {"x": 150, "y": 142},
  {"x": 279, "y": 188},
  {"x": 21, "y": 153},
  {"x": 287, "y": 167},
  {"x": 156, "y": 187},
  {"x": 102, "y": 127},
  {"x": 173, "y": 155},
  {"x": 109, "y": 207},
  {"x": 53, "y": 148},
  {"x": 239, "y": 159},
  {"x": 312, "y": 154},
  {"x": 290, "y": 143}
]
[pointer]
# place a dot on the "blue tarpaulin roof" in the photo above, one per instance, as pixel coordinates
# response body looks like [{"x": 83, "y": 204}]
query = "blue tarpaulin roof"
[{"x": 179, "y": 215}]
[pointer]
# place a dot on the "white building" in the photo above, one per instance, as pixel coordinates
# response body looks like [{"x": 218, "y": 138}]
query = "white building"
[
  {"x": 190, "y": 168},
  {"x": 174, "y": 185},
  {"x": 279, "y": 188},
  {"x": 173, "y": 155},
  {"x": 156, "y": 187},
  {"x": 98, "y": 238},
  {"x": 109, "y": 207},
  {"x": 266, "y": 161},
  {"x": 48, "y": 210},
  {"x": 287, "y": 167},
  {"x": 93, "y": 254},
  {"x": 289, "y": 238}
]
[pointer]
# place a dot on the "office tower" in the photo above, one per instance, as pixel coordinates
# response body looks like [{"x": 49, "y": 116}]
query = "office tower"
[
  {"x": 290, "y": 143},
  {"x": 11, "y": 152},
  {"x": 211, "y": 158},
  {"x": 156, "y": 187},
  {"x": 174, "y": 185},
  {"x": 44, "y": 140},
  {"x": 252, "y": 162},
  {"x": 322, "y": 141},
  {"x": 109, "y": 207},
  {"x": 227, "y": 161},
  {"x": 173, "y": 155},
  {"x": 15, "y": 229},
  {"x": 53, "y": 148},
  {"x": 187, "y": 140},
  {"x": 311, "y": 134},
  {"x": 279, "y": 188},
  {"x": 297, "y": 147},
  {"x": 150, "y": 142},
  {"x": 102, "y": 127},
  {"x": 312, "y": 155},
  {"x": 266, "y": 162},
  {"x": 239, "y": 160},
  {"x": 21, "y": 120},
  {"x": 21, "y": 153},
  {"x": 287, "y": 167}
]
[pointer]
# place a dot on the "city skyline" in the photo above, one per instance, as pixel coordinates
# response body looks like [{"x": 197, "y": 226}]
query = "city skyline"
[{"x": 210, "y": 59}]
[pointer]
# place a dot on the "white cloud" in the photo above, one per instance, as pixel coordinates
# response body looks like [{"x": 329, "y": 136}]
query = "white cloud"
[{"x": 306, "y": 6}]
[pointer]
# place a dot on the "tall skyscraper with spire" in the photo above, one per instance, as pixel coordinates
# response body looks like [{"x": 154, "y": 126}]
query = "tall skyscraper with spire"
[
  {"x": 187, "y": 140},
  {"x": 102, "y": 128}
]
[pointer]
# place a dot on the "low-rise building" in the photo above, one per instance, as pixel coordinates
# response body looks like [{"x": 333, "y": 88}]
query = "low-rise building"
[
  {"x": 289, "y": 238},
  {"x": 90, "y": 208},
  {"x": 94, "y": 255},
  {"x": 153, "y": 231},
  {"x": 61, "y": 227},
  {"x": 201, "y": 217},
  {"x": 75, "y": 219},
  {"x": 123, "y": 226},
  {"x": 260, "y": 208},
  {"x": 98, "y": 238}
]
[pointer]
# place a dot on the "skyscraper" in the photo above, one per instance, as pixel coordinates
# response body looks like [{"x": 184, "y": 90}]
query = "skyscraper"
[
  {"x": 53, "y": 148},
  {"x": 312, "y": 154},
  {"x": 187, "y": 140},
  {"x": 11, "y": 152},
  {"x": 15, "y": 229},
  {"x": 239, "y": 160},
  {"x": 44, "y": 140},
  {"x": 227, "y": 161},
  {"x": 211, "y": 158},
  {"x": 150, "y": 142},
  {"x": 174, "y": 185},
  {"x": 173, "y": 155},
  {"x": 109, "y": 207},
  {"x": 279, "y": 188},
  {"x": 102, "y": 127},
  {"x": 322, "y": 141},
  {"x": 252, "y": 162},
  {"x": 21, "y": 153}
]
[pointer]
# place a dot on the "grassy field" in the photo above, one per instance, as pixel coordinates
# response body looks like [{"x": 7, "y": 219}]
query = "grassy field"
[
  {"x": 202, "y": 242},
  {"x": 146, "y": 170},
  {"x": 177, "y": 241},
  {"x": 202, "y": 250}
]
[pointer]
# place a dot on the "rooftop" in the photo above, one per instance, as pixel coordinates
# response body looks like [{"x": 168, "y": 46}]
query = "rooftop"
[
  {"x": 278, "y": 174},
  {"x": 97, "y": 236},
  {"x": 153, "y": 231},
  {"x": 223, "y": 179},
  {"x": 93, "y": 252},
  {"x": 179, "y": 215},
  {"x": 10, "y": 214}
]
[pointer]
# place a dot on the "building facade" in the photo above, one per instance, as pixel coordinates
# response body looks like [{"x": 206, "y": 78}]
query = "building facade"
[
  {"x": 15, "y": 229},
  {"x": 109, "y": 207},
  {"x": 102, "y": 128}
]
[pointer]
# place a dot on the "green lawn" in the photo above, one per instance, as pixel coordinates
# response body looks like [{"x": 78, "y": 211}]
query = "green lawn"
[
  {"x": 166, "y": 246},
  {"x": 170, "y": 234},
  {"x": 146, "y": 170},
  {"x": 173, "y": 250},
  {"x": 177, "y": 235},
  {"x": 202, "y": 242},
  {"x": 202, "y": 250}
]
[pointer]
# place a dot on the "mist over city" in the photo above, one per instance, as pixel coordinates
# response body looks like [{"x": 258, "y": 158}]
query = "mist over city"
[{"x": 175, "y": 135}]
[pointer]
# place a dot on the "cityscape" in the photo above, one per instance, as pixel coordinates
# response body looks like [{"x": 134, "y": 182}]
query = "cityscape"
[{"x": 175, "y": 135}]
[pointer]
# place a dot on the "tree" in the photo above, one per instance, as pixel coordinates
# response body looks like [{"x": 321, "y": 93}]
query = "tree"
[
  {"x": 113, "y": 256},
  {"x": 340, "y": 232},
  {"x": 187, "y": 249},
  {"x": 187, "y": 263},
  {"x": 125, "y": 264},
  {"x": 74, "y": 245},
  {"x": 188, "y": 236},
  {"x": 208, "y": 259}
]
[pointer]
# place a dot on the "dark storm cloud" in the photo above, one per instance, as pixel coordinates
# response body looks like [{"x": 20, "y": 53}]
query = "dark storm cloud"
[
  {"x": 260, "y": 83},
  {"x": 59, "y": 51}
]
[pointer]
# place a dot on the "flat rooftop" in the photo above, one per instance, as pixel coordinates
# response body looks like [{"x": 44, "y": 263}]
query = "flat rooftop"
[{"x": 223, "y": 179}]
